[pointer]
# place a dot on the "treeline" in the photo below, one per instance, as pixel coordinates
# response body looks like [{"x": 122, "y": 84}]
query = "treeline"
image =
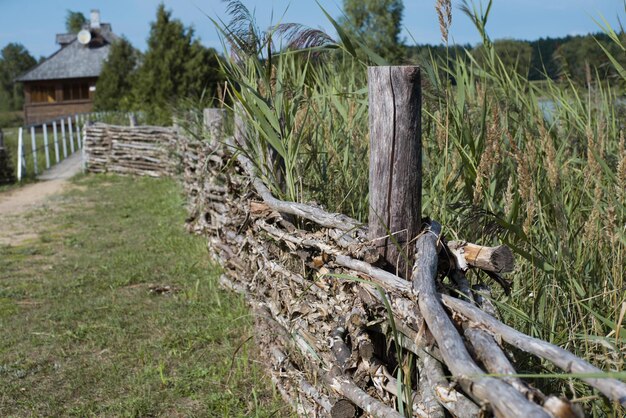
[
  {"x": 569, "y": 57},
  {"x": 174, "y": 68}
]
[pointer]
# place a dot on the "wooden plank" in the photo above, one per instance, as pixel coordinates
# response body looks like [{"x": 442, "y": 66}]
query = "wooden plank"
[{"x": 395, "y": 162}]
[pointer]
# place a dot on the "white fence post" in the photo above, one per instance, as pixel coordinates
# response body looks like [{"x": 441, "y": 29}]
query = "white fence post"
[
  {"x": 71, "y": 131},
  {"x": 56, "y": 140},
  {"x": 78, "y": 140},
  {"x": 64, "y": 140},
  {"x": 83, "y": 147},
  {"x": 20, "y": 154},
  {"x": 45, "y": 145},
  {"x": 33, "y": 141}
]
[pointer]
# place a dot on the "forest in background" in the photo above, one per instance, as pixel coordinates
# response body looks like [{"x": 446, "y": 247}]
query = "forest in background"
[{"x": 144, "y": 81}]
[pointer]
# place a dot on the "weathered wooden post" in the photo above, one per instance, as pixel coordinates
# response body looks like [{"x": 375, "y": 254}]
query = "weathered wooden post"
[
  {"x": 395, "y": 176},
  {"x": 214, "y": 121}
]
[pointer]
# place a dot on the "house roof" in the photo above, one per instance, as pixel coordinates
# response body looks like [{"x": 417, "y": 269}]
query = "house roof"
[{"x": 74, "y": 60}]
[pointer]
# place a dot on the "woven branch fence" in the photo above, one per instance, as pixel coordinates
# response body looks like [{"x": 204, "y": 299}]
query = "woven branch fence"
[
  {"x": 342, "y": 335},
  {"x": 137, "y": 150}
]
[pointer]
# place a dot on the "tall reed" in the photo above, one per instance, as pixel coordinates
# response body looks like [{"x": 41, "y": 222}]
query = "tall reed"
[{"x": 540, "y": 167}]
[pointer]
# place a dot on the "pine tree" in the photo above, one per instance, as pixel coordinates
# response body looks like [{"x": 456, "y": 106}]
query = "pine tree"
[
  {"x": 378, "y": 23},
  {"x": 74, "y": 21},
  {"x": 113, "y": 90},
  {"x": 175, "y": 66},
  {"x": 14, "y": 60}
]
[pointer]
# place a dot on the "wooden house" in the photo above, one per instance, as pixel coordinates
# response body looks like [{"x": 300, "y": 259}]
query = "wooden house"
[{"x": 65, "y": 83}]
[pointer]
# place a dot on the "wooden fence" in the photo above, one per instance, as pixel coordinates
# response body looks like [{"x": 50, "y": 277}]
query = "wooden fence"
[
  {"x": 347, "y": 324},
  {"x": 54, "y": 141},
  {"x": 137, "y": 150}
]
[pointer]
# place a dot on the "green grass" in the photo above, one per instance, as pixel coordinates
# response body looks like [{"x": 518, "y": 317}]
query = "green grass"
[{"x": 83, "y": 335}]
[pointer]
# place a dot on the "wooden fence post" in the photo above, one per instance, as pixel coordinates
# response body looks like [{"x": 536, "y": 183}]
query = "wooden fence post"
[
  {"x": 214, "y": 121},
  {"x": 20, "y": 154},
  {"x": 33, "y": 142},
  {"x": 56, "y": 140},
  {"x": 64, "y": 139},
  {"x": 395, "y": 176},
  {"x": 45, "y": 145},
  {"x": 71, "y": 132},
  {"x": 79, "y": 142}
]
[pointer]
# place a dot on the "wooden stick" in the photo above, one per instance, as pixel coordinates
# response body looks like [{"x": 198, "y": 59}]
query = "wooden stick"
[
  {"x": 311, "y": 213},
  {"x": 503, "y": 398},
  {"x": 614, "y": 389},
  {"x": 451, "y": 399},
  {"x": 496, "y": 362}
]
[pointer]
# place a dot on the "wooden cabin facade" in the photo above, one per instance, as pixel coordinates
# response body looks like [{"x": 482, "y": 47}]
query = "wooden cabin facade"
[{"x": 65, "y": 83}]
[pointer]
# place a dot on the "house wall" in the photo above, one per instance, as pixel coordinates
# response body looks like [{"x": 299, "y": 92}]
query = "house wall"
[{"x": 57, "y": 106}]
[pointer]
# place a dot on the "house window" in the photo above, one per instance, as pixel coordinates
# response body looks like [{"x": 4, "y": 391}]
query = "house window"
[
  {"x": 76, "y": 91},
  {"x": 42, "y": 94}
]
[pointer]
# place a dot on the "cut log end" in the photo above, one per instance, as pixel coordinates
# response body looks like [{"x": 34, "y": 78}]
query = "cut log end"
[
  {"x": 496, "y": 259},
  {"x": 343, "y": 408}
]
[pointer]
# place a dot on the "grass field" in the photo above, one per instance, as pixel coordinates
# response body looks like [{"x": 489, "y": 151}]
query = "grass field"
[{"x": 83, "y": 334}]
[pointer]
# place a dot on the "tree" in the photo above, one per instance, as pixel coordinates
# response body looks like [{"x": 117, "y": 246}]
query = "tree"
[
  {"x": 175, "y": 66},
  {"x": 14, "y": 60},
  {"x": 582, "y": 56},
  {"x": 514, "y": 55},
  {"x": 377, "y": 23},
  {"x": 113, "y": 90},
  {"x": 74, "y": 21},
  {"x": 542, "y": 63}
]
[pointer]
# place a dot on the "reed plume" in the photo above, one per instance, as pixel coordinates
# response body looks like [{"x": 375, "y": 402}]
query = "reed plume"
[
  {"x": 551, "y": 163},
  {"x": 621, "y": 168},
  {"x": 444, "y": 12},
  {"x": 490, "y": 156}
]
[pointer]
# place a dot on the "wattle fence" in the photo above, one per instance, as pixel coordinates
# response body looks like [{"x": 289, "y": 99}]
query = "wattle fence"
[
  {"x": 139, "y": 150},
  {"x": 344, "y": 333}
]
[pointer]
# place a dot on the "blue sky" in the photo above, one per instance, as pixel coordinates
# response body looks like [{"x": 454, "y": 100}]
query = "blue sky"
[{"x": 34, "y": 23}]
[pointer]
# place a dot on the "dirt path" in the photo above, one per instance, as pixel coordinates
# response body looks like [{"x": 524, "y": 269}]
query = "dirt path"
[{"x": 17, "y": 203}]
